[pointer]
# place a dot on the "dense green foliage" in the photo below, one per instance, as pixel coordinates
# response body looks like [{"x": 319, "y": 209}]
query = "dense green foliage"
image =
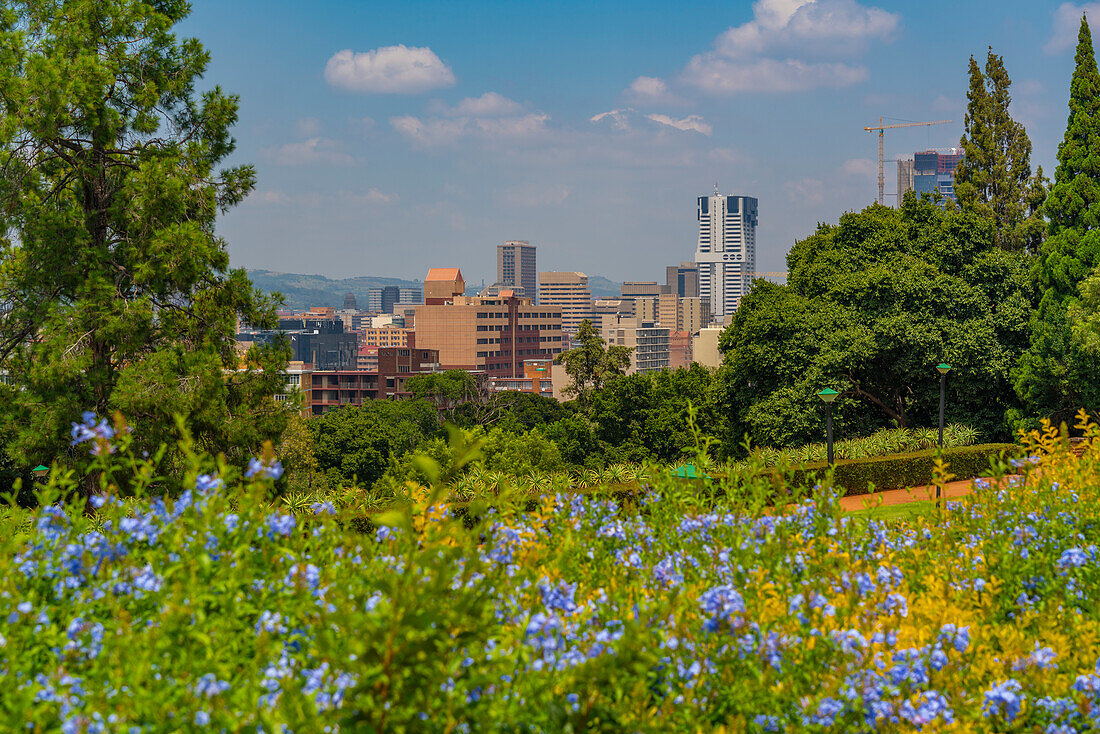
[
  {"x": 994, "y": 178},
  {"x": 872, "y": 304},
  {"x": 900, "y": 471},
  {"x": 119, "y": 290},
  {"x": 1056, "y": 376},
  {"x": 591, "y": 363}
]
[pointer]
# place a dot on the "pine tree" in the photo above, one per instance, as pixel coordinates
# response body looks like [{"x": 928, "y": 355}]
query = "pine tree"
[
  {"x": 994, "y": 179},
  {"x": 1056, "y": 376},
  {"x": 117, "y": 289}
]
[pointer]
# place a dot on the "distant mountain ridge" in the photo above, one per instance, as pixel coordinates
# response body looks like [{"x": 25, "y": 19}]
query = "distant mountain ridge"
[{"x": 303, "y": 291}]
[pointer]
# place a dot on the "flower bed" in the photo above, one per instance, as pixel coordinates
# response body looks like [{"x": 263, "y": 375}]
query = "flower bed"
[{"x": 218, "y": 611}]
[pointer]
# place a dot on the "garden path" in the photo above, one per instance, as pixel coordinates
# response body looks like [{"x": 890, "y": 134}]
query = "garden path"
[{"x": 903, "y": 496}]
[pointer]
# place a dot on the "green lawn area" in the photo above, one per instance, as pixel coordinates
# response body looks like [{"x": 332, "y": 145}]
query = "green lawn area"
[{"x": 907, "y": 511}]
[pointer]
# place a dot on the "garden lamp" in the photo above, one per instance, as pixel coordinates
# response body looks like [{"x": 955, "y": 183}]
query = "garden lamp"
[
  {"x": 943, "y": 369},
  {"x": 828, "y": 395}
]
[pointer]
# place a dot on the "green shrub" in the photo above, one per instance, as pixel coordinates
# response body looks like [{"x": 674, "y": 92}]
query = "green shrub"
[{"x": 914, "y": 469}]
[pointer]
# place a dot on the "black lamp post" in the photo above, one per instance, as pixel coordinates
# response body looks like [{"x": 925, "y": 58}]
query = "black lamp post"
[
  {"x": 829, "y": 395},
  {"x": 943, "y": 369}
]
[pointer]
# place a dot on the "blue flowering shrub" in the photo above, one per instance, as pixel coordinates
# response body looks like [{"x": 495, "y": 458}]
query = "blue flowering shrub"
[{"x": 219, "y": 609}]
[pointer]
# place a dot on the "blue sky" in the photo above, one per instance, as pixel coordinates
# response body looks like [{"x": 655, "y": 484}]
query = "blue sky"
[{"x": 390, "y": 137}]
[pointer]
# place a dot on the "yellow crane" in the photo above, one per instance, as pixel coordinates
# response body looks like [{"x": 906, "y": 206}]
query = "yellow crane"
[{"x": 880, "y": 127}]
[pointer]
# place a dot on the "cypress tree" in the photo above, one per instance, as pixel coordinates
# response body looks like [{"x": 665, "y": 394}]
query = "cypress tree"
[
  {"x": 994, "y": 179},
  {"x": 1056, "y": 376}
]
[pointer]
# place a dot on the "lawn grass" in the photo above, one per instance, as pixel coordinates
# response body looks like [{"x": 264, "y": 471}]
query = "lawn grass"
[{"x": 906, "y": 511}]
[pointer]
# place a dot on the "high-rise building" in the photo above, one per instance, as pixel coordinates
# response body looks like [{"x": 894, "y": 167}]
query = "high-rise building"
[
  {"x": 569, "y": 291},
  {"x": 683, "y": 280},
  {"x": 934, "y": 171},
  {"x": 349, "y": 302},
  {"x": 409, "y": 296},
  {"x": 905, "y": 178},
  {"x": 694, "y": 314},
  {"x": 726, "y": 254},
  {"x": 495, "y": 335},
  {"x": 382, "y": 300},
  {"x": 516, "y": 268}
]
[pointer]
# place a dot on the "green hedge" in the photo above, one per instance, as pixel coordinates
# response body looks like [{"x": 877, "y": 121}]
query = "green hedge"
[{"x": 901, "y": 470}]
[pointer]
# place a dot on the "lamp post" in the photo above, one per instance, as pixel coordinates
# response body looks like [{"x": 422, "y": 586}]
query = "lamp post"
[
  {"x": 828, "y": 395},
  {"x": 943, "y": 369}
]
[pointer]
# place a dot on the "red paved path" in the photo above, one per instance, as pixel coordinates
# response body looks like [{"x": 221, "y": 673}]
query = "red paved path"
[{"x": 903, "y": 496}]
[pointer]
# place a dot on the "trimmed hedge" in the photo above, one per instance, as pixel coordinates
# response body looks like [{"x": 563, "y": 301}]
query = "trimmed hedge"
[{"x": 898, "y": 471}]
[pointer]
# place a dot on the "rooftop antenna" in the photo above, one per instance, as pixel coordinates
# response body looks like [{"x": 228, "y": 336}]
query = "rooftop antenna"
[{"x": 716, "y": 189}]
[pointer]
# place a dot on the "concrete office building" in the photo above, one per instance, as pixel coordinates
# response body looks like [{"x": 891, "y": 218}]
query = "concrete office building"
[
  {"x": 382, "y": 300},
  {"x": 694, "y": 315},
  {"x": 331, "y": 389},
  {"x": 649, "y": 343},
  {"x": 442, "y": 285},
  {"x": 905, "y": 178},
  {"x": 320, "y": 342},
  {"x": 569, "y": 292},
  {"x": 726, "y": 253},
  {"x": 516, "y": 268},
  {"x": 704, "y": 347},
  {"x": 683, "y": 280},
  {"x": 493, "y": 335}
]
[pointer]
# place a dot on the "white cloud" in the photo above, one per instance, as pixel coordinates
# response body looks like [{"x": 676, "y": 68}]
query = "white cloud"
[
  {"x": 616, "y": 118},
  {"x": 489, "y": 104},
  {"x": 1065, "y": 24},
  {"x": 860, "y": 167},
  {"x": 831, "y": 27},
  {"x": 648, "y": 86},
  {"x": 314, "y": 151},
  {"x": 785, "y": 48},
  {"x": 391, "y": 69},
  {"x": 649, "y": 90},
  {"x": 690, "y": 123},
  {"x": 723, "y": 76},
  {"x": 441, "y": 131}
]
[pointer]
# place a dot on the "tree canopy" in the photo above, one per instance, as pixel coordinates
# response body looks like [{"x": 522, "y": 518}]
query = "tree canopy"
[
  {"x": 118, "y": 291},
  {"x": 872, "y": 304},
  {"x": 994, "y": 180},
  {"x": 1056, "y": 377},
  {"x": 591, "y": 363}
]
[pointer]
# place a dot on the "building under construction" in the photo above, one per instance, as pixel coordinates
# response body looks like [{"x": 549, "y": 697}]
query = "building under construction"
[{"x": 928, "y": 172}]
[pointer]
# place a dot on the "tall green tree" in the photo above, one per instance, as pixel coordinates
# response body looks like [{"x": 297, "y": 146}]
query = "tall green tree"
[
  {"x": 118, "y": 289},
  {"x": 1055, "y": 376},
  {"x": 994, "y": 178},
  {"x": 872, "y": 305},
  {"x": 592, "y": 363}
]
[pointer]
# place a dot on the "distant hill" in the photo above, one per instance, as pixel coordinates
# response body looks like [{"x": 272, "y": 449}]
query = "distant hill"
[
  {"x": 601, "y": 287},
  {"x": 303, "y": 291}
]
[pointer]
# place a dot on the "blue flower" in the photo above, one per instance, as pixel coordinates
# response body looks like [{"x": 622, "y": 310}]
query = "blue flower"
[
  {"x": 1004, "y": 699},
  {"x": 207, "y": 482},
  {"x": 257, "y": 467},
  {"x": 323, "y": 508},
  {"x": 1072, "y": 558},
  {"x": 202, "y": 718}
]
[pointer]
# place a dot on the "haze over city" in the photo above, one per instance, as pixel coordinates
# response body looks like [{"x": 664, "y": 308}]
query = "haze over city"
[{"x": 389, "y": 137}]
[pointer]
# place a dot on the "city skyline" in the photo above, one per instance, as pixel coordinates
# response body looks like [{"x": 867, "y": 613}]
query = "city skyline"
[{"x": 390, "y": 138}]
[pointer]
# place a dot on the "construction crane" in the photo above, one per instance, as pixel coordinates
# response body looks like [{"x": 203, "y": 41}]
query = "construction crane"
[{"x": 880, "y": 127}]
